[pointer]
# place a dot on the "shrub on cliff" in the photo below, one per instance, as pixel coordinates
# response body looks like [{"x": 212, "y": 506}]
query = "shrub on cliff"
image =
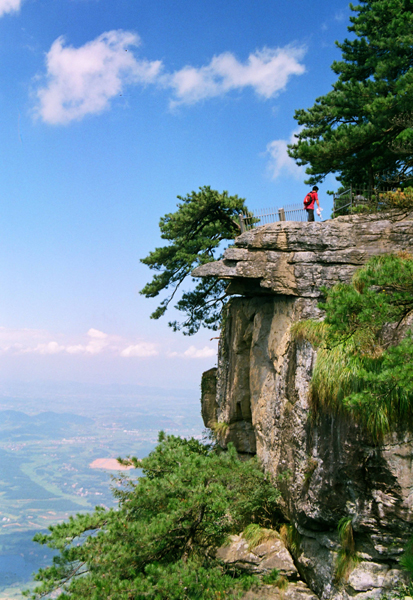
[
  {"x": 160, "y": 543},
  {"x": 194, "y": 233},
  {"x": 363, "y": 367}
]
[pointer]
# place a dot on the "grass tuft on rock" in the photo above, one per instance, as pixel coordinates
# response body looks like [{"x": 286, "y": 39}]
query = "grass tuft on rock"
[{"x": 256, "y": 535}]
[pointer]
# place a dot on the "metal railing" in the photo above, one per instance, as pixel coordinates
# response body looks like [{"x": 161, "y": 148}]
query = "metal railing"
[
  {"x": 345, "y": 202},
  {"x": 293, "y": 212}
]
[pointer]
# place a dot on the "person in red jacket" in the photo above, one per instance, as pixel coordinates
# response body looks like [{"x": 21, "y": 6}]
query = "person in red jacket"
[{"x": 309, "y": 202}]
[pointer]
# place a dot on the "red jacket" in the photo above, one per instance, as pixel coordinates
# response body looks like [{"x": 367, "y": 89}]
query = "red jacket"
[{"x": 314, "y": 197}]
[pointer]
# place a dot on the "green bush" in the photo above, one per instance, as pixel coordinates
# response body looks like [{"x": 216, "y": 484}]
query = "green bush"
[
  {"x": 160, "y": 543},
  {"x": 362, "y": 368}
]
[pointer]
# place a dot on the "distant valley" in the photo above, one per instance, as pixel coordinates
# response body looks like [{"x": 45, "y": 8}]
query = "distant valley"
[{"x": 46, "y": 457}]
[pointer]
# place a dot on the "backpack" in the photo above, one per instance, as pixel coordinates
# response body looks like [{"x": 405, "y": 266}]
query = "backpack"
[{"x": 308, "y": 199}]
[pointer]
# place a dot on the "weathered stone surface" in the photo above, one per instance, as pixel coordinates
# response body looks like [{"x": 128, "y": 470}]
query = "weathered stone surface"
[
  {"x": 367, "y": 576},
  {"x": 269, "y": 555},
  {"x": 329, "y": 468},
  {"x": 209, "y": 397},
  {"x": 296, "y": 259},
  {"x": 294, "y": 591}
]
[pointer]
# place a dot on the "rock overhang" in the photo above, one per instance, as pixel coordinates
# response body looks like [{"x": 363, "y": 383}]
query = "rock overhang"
[{"x": 297, "y": 259}]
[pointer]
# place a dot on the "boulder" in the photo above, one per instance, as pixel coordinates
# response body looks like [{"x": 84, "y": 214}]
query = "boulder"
[{"x": 268, "y": 555}]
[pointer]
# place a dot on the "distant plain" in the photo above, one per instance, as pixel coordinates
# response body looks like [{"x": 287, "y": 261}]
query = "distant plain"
[{"x": 50, "y": 435}]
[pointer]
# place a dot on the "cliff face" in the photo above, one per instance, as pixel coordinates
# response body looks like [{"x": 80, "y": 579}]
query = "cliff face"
[{"x": 327, "y": 468}]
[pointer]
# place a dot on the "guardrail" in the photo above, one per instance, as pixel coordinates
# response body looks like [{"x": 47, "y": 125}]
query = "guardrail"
[
  {"x": 346, "y": 201},
  {"x": 293, "y": 212}
]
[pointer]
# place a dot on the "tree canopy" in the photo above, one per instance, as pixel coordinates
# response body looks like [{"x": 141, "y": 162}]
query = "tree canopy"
[
  {"x": 160, "y": 543},
  {"x": 365, "y": 346},
  {"x": 361, "y": 130},
  {"x": 194, "y": 233}
]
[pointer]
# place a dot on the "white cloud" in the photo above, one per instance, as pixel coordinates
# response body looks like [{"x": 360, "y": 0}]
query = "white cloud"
[
  {"x": 95, "y": 333},
  {"x": 280, "y": 163},
  {"x": 98, "y": 342},
  {"x": 50, "y": 348},
  {"x": 141, "y": 350},
  {"x": 83, "y": 80},
  {"x": 194, "y": 352},
  {"x": 7, "y": 6},
  {"x": 267, "y": 71},
  {"x": 34, "y": 341},
  {"x": 22, "y": 341}
]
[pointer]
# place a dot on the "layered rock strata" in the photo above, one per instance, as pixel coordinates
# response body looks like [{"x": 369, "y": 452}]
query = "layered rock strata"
[{"x": 327, "y": 468}]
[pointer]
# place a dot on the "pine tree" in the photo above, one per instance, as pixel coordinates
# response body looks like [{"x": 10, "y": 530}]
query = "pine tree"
[
  {"x": 160, "y": 543},
  {"x": 194, "y": 233},
  {"x": 361, "y": 129}
]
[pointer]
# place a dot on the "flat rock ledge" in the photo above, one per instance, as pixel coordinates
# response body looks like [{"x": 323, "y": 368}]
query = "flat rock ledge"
[{"x": 296, "y": 259}]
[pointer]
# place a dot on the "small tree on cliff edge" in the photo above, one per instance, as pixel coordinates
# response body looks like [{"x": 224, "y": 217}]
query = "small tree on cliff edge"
[
  {"x": 362, "y": 127},
  {"x": 194, "y": 232}
]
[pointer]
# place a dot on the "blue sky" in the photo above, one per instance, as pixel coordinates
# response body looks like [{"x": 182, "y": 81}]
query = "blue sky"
[{"x": 109, "y": 110}]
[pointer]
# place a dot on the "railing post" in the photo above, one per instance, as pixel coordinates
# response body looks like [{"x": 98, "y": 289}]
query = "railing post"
[
  {"x": 334, "y": 205},
  {"x": 281, "y": 214},
  {"x": 351, "y": 197},
  {"x": 241, "y": 222}
]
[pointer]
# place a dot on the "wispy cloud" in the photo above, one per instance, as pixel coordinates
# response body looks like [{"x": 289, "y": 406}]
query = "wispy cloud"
[
  {"x": 8, "y": 6},
  {"x": 84, "y": 80},
  {"x": 49, "y": 348},
  {"x": 141, "y": 350},
  {"x": 98, "y": 341},
  {"x": 279, "y": 162},
  {"x": 340, "y": 16},
  {"x": 266, "y": 71},
  {"x": 94, "y": 342},
  {"x": 194, "y": 352}
]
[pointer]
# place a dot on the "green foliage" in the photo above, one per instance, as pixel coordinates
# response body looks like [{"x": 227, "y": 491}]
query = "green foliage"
[
  {"x": 362, "y": 127},
  {"x": 291, "y": 538},
  {"x": 161, "y": 541},
  {"x": 345, "y": 534},
  {"x": 219, "y": 430},
  {"x": 399, "y": 201},
  {"x": 403, "y": 591},
  {"x": 347, "y": 557},
  {"x": 310, "y": 331},
  {"x": 274, "y": 578},
  {"x": 361, "y": 366},
  {"x": 256, "y": 535},
  {"x": 406, "y": 560},
  {"x": 193, "y": 233}
]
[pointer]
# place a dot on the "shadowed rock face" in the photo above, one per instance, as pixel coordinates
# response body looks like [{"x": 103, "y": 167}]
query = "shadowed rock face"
[{"x": 329, "y": 469}]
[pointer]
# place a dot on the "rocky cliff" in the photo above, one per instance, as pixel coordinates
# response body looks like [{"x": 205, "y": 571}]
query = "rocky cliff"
[{"x": 327, "y": 468}]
